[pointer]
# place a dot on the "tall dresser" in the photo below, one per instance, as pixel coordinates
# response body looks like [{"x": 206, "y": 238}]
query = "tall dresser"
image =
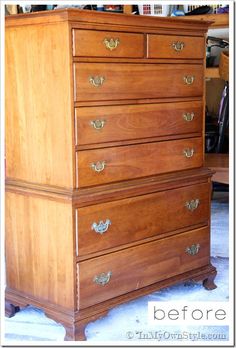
[{"x": 107, "y": 197}]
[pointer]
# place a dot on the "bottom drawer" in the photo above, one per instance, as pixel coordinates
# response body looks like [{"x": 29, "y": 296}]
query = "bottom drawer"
[{"x": 117, "y": 273}]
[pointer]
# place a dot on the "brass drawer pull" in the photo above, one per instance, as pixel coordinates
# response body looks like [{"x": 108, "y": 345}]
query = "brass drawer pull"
[
  {"x": 101, "y": 227},
  {"x": 193, "y": 249},
  {"x": 189, "y": 79},
  {"x": 111, "y": 44},
  {"x": 99, "y": 166},
  {"x": 188, "y": 153},
  {"x": 98, "y": 124},
  {"x": 96, "y": 81},
  {"x": 103, "y": 278},
  {"x": 193, "y": 204},
  {"x": 188, "y": 116},
  {"x": 178, "y": 46}
]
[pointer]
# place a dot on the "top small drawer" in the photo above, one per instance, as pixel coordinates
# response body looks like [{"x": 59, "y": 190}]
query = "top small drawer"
[
  {"x": 91, "y": 43},
  {"x": 170, "y": 46}
]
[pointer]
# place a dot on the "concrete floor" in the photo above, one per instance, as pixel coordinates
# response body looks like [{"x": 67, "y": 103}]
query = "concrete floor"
[{"x": 128, "y": 322}]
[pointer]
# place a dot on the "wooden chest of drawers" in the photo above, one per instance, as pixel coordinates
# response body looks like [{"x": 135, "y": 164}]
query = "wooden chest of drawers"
[{"x": 107, "y": 198}]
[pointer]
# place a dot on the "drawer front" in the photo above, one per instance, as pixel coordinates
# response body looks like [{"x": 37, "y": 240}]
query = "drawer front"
[
  {"x": 127, "y": 122},
  {"x": 101, "y": 81},
  {"x": 169, "y": 46},
  {"x": 114, "y": 274},
  {"x": 107, "y": 225},
  {"x": 100, "y": 166},
  {"x": 91, "y": 43}
]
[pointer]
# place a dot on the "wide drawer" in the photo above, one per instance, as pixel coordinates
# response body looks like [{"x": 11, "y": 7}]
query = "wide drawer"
[
  {"x": 170, "y": 46},
  {"x": 107, "y": 225},
  {"x": 102, "y": 81},
  {"x": 114, "y": 274},
  {"x": 102, "y": 124},
  {"x": 105, "y": 165},
  {"x": 91, "y": 43}
]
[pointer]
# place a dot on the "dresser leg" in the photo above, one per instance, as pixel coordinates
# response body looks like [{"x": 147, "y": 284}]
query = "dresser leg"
[
  {"x": 10, "y": 309},
  {"x": 75, "y": 332},
  {"x": 208, "y": 283}
]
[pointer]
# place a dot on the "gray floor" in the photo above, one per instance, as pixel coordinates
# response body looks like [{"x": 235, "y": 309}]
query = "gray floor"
[{"x": 128, "y": 322}]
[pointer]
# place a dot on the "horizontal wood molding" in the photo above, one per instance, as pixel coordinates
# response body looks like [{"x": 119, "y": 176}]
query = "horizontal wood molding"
[
  {"x": 64, "y": 316},
  {"x": 109, "y": 192},
  {"x": 15, "y": 295},
  {"x": 90, "y": 17},
  {"x": 28, "y": 188},
  {"x": 218, "y": 20}
]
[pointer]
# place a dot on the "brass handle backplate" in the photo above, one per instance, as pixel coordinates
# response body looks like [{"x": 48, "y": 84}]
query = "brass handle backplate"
[
  {"x": 96, "y": 81},
  {"x": 188, "y": 116},
  {"x": 193, "y": 249},
  {"x": 101, "y": 227},
  {"x": 189, "y": 79},
  {"x": 193, "y": 204},
  {"x": 98, "y": 124},
  {"x": 103, "y": 278},
  {"x": 188, "y": 153},
  {"x": 178, "y": 46},
  {"x": 111, "y": 44},
  {"x": 99, "y": 166}
]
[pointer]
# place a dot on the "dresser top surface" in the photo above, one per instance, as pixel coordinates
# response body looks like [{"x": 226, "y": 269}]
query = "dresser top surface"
[{"x": 107, "y": 18}]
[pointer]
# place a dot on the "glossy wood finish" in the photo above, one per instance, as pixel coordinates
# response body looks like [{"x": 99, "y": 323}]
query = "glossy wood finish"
[
  {"x": 39, "y": 248},
  {"x": 93, "y": 19},
  {"x": 75, "y": 324},
  {"x": 91, "y": 44},
  {"x": 218, "y": 20},
  {"x": 131, "y": 81},
  {"x": 135, "y": 161},
  {"x": 110, "y": 192},
  {"x": 128, "y": 122},
  {"x": 147, "y": 264},
  {"x": 155, "y": 211},
  {"x": 38, "y": 105},
  {"x": 52, "y": 195},
  {"x": 161, "y": 46}
]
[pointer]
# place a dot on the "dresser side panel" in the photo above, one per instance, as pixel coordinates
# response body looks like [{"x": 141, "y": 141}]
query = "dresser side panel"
[
  {"x": 38, "y": 104},
  {"x": 39, "y": 248}
]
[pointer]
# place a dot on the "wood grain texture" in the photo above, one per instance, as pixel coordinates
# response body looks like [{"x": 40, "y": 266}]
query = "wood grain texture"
[
  {"x": 136, "y": 121},
  {"x": 147, "y": 264},
  {"x": 162, "y": 30},
  {"x": 74, "y": 323},
  {"x": 218, "y": 20},
  {"x": 110, "y": 192},
  {"x": 53, "y": 195},
  {"x": 155, "y": 212},
  {"x": 93, "y": 18},
  {"x": 160, "y": 46},
  {"x": 135, "y": 81},
  {"x": 91, "y": 44},
  {"x": 39, "y": 248},
  {"x": 135, "y": 161},
  {"x": 38, "y": 105}
]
